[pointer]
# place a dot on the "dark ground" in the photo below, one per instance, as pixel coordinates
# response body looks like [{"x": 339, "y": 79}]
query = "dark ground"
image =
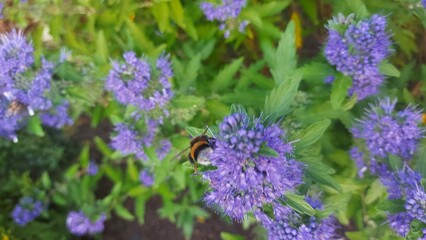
[{"x": 155, "y": 228}]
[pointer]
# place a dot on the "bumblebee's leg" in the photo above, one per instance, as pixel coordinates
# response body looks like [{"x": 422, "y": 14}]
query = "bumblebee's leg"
[{"x": 195, "y": 168}]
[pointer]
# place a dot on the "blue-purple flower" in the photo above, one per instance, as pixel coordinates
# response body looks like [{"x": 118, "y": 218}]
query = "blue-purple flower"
[
  {"x": 163, "y": 149},
  {"x": 134, "y": 82},
  {"x": 384, "y": 131},
  {"x": 27, "y": 210},
  {"x": 357, "y": 52},
  {"x": 245, "y": 177},
  {"x": 146, "y": 178},
  {"x": 400, "y": 223},
  {"x": 80, "y": 224},
  {"x": 23, "y": 91},
  {"x": 57, "y": 117},
  {"x": 288, "y": 224},
  {"x": 226, "y": 13},
  {"x": 127, "y": 141}
]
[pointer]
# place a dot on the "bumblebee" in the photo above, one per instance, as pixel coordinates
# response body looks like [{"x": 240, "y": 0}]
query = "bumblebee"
[{"x": 200, "y": 149}]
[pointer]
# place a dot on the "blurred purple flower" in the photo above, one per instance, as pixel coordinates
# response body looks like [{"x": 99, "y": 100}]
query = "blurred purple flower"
[
  {"x": 79, "y": 224},
  {"x": 226, "y": 13},
  {"x": 163, "y": 149},
  {"x": 58, "y": 118},
  {"x": 290, "y": 225},
  {"x": 133, "y": 82},
  {"x": 358, "y": 51},
  {"x": 244, "y": 178},
  {"x": 92, "y": 168},
  {"x": 145, "y": 178},
  {"x": 424, "y": 3},
  {"x": 329, "y": 79},
  {"x": 1, "y": 10},
  {"x": 386, "y": 131},
  {"x": 400, "y": 223},
  {"x": 26, "y": 210}
]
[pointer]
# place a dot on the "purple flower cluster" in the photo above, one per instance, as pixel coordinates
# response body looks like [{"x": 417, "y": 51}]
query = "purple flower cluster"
[
  {"x": 79, "y": 224},
  {"x": 22, "y": 91},
  {"x": 134, "y": 82},
  {"x": 128, "y": 141},
  {"x": 146, "y": 178},
  {"x": 385, "y": 131},
  {"x": 58, "y": 117},
  {"x": 26, "y": 210},
  {"x": 287, "y": 224},
  {"x": 245, "y": 178},
  {"x": 424, "y": 3},
  {"x": 405, "y": 184},
  {"x": 226, "y": 13},
  {"x": 357, "y": 52}
]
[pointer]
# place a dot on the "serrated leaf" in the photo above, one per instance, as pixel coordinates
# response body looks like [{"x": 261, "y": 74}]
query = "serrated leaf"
[
  {"x": 388, "y": 69},
  {"x": 178, "y": 13},
  {"x": 195, "y": 131},
  {"x": 190, "y": 28},
  {"x": 298, "y": 204},
  {"x": 335, "y": 203},
  {"x": 322, "y": 177},
  {"x": 278, "y": 102},
  {"x": 143, "y": 42},
  {"x": 122, "y": 212},
  {"x": 284, "y": 61},
  {"x": 339, "y": 90},
  {"x": 161, "y": 13},
  {"x": 316, "y": 71},
  {"x": 312, "y": 133},
  {"x": 224, "y": 78}
]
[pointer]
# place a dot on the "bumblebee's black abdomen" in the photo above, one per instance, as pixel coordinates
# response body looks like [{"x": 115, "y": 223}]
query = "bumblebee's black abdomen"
[{"x": 199, "y": 149}]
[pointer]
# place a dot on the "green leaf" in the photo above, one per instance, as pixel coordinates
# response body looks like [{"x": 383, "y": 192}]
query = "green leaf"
[
  {"x": 143, "y": 42},
  {"x": 113, "y": 173},
  {"x": 272, "y": 8},
  {"x": 388, "y": 69},
  {"x": 132, "y": 171},
  {"x": 278, "y": 102},
  {"x": 45, "y": 180},
  {"x": 395, "y": 162},
  {"x": 316, "y": 71},
  {"x": 358, "y": 7},
  {"x": 311, "y": 10},
  {"x": 375, "y": 191},
  {"x": 298, "y": 204},
  {"x": 284, "y": 61},
  {"x": 392, "y": 206},
  {"x": 339, "y": 90},
  {"x": 140, "y": 207},
  {"x": 101, "y": 54},
  {"x": 161, "y": 13},
  {"x": 85, "y": 155},
  {"x": 195, "y": 131},
  {"x": 322, "y": 178},
  {"x": 122, "y": 212},
  {"x": 338, "y": 202},
  {"x": 224, "y": 78},
  {"x": 34, "y": 126},
  {"x": 267, "y": 151},
  {"x": 190, "y": 27},
  {"x": 230, "y": 236},
  {"x": 103, "y": 147},
  {"x": 311, "y": 134},
  {"x": 178, "y": 14},
  {"x": 420, "y": 159}
]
